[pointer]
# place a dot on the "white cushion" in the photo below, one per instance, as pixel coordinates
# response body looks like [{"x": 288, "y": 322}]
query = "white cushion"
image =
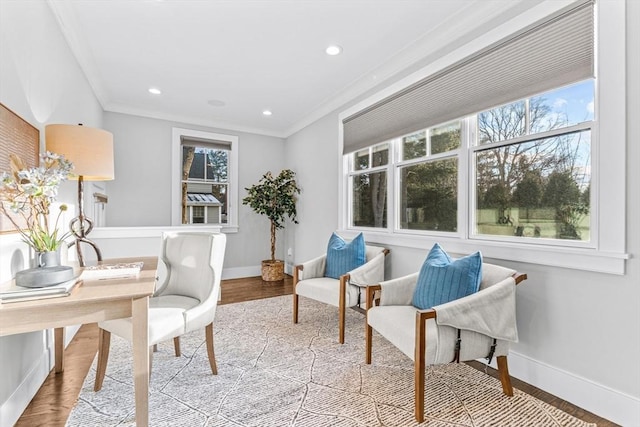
[
  {"x": 173, "y": 301},
  {"x": 396, "y": 323},
  {"x": 327, "y": 290},
  {"x": 166, "y": 319}
]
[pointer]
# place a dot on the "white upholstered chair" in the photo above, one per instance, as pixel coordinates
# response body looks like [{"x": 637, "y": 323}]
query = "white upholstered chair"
[
  {"x": 309, "y": 282},
  {"x": 185, "y": 301},
  {"x": 480, "y": 325}
]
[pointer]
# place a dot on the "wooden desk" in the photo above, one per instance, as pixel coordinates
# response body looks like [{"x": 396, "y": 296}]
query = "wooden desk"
[{"x": 95, "y": 301}]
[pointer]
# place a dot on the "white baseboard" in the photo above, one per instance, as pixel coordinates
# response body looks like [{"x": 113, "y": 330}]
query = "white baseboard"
[
  {"x": 14, "y": 406},
  {"x": 603, "y": 401},
  {"x": 239, "y": 272},
  {"x": 252, "y": 271}
]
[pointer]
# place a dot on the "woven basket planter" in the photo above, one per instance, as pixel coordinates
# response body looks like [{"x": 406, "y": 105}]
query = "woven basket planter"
[{"x": 272, "y": 271}]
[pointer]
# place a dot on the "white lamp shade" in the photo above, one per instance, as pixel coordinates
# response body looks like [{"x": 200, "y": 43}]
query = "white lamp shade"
[{"x": 89, "y": 149}]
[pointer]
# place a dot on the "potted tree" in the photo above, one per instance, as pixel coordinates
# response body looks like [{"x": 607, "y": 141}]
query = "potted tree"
[{"x": 274, "y": 197}]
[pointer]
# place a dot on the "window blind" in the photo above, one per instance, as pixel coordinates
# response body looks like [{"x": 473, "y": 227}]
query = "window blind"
[
  {"x": 193, "y": 141},
  {"x": 549, "y": 54}
]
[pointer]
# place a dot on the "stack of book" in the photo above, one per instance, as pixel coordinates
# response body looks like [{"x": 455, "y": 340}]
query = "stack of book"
[
  {"x": 112, "y": 271},
  {"x": 18, "y": 293}
]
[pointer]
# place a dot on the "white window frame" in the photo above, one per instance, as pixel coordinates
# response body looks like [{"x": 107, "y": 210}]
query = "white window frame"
[
  {"x": 370, "y": 170},
  {"x": 231, "y": 226},
  {"x": 607, "y": 254}
]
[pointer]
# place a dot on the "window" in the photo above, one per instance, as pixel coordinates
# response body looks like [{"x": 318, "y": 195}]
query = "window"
[
  {"x": 369, "y": 187},
  {"x": 197, "y": 215},
  {"x": 540, "y": 175},
  {"x": 428, "y": 178},
  {"x": 204, "y": 167},
  {"x": 532, "y": 163},
  {"x": 204, "y": 184}
]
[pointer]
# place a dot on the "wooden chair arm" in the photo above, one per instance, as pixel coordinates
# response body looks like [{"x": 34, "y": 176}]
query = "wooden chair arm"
[
  {"x": 296, "y": 271},
  {"x": 422, "y": 315},
  {"x": 519, "y": 277},
  {"x": 371, "y": 292}
]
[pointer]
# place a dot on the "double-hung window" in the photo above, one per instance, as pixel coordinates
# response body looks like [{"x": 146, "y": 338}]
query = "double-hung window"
[
  {"x": 428, "y": 178},
  {"x": 204, "y": 171},
  {"x": 368, "y": 185},
  {"x": 532, "y": 166}
]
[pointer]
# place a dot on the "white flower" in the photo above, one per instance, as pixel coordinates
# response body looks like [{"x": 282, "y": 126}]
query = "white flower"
[{"x": 29, "y": 192}]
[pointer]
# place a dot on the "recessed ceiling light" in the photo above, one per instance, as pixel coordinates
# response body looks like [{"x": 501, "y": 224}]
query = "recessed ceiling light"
[
  {"x": 334, "y": 50},
  {"x": 267, "y": 112},
  {"x": 155, "y": 90},
  {"x": 216, "y": 103}
]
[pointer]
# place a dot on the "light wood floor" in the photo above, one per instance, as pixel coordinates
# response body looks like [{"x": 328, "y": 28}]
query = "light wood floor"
[{"x": 54, "y": 401}]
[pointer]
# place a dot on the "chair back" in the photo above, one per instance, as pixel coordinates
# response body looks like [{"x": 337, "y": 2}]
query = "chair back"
[
  {"x": 194, "y": 263},
  {"x": 372, "y": 251},
  {"x": 492, "y": 274}
]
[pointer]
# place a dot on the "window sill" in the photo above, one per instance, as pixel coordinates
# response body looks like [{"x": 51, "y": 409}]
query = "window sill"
[{"x": 585, "y": 259}]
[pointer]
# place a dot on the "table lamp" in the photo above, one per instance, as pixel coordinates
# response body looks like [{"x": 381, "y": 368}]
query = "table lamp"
[{"x": 91, "y": 152}]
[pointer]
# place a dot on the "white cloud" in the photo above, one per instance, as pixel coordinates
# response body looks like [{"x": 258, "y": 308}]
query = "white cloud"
[
  {"x": 559, "y": 103},
  {"x": 590, "y": 107}
]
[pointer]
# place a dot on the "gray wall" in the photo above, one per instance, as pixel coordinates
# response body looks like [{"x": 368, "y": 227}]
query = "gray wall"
[
  {"x": 579, "y": 331},
  {"x": 140, "y": 195}
]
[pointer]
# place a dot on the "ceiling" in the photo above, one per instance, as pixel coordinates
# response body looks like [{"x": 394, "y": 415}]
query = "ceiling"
[{"x": 256, "y": 55}]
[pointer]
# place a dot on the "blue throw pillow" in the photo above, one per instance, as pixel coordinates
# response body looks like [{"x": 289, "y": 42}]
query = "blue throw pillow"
[
  {"x": 342, "y": 257},
  {"x": 442, "y": 279}
]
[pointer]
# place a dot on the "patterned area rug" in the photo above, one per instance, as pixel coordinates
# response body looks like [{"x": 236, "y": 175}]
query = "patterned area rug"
[{"x": 274, "y": 373}]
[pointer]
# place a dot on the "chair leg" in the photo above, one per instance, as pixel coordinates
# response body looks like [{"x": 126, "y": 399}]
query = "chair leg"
[
  {"x": 419, "y": 367},
  {"x": 368, "y": 335},
  {"x": 295, "y": 295},
  {"x": 368, "y": 330},
  {"x": 208, "y": 332},
  {"x": 151, "y": 350},
  {"x": 342, "y": 306},
  {"x": 176, "y": 346},
  {"x": 104, "y": 339},
  {"x": 505, "y": 379}
]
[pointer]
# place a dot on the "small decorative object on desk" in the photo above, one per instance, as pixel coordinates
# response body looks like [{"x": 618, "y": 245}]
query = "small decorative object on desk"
[
  {"x": 26, "y": 195},
  {"x": 112, "y": 271},
  {"x": 18, "y": 293}
]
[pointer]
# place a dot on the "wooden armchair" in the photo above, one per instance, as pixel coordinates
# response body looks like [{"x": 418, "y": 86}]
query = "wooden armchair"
[
  {"x": 477, "y": 326},
  {"x": 309, "y": 282}
]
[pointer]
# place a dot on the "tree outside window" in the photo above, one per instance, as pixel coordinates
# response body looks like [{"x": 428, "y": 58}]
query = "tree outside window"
[
  {"x": 527, "y": 186},
  {"x": 531, "y": 164}
]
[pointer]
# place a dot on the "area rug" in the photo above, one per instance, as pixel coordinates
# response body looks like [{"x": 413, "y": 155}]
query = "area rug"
[{"x": 274, "y": 373}]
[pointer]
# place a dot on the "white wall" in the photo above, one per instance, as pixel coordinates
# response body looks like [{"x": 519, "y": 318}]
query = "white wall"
[
  {"x": 579, "y": 331},
  {"x": 40, "y": 81}
]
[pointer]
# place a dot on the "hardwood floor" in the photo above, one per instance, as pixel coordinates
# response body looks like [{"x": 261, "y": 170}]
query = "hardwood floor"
[{"x": 54, "y": 401}]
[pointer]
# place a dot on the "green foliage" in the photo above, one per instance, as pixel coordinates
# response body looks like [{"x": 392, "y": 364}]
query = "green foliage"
[
  {"x": 432, "y": 187},
  {"x": 528, "y": 192},
  {"x": 446, "y": 140},
  {"x": 563, "y": 194},
  {"x": 561, "y": 190},
  {"x": 274, "y": 197}
]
